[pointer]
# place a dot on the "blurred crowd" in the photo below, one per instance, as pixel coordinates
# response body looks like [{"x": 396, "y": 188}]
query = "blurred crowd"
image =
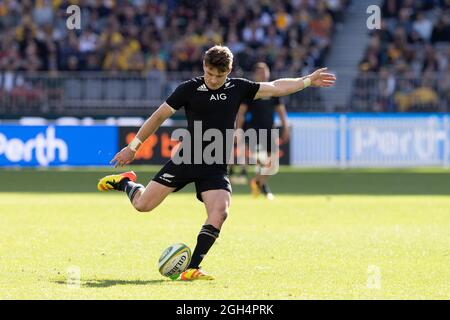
[
  {"x": 165, "y": 35},
  {"x": 406, "y": 66},
  {"x": 411, "y": 54}
]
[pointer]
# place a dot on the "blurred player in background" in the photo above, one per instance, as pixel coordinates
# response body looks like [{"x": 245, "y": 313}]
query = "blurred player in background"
[{"x": 259, "y": 114}]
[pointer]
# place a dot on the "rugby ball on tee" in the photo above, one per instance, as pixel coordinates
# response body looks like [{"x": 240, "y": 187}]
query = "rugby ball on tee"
[{"x": 174, "y": 260}]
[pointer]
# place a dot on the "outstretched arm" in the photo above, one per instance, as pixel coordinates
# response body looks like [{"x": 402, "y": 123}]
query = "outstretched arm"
[
  {"x": 126, "y": 155},
  {"x": 287, "y": 86}
]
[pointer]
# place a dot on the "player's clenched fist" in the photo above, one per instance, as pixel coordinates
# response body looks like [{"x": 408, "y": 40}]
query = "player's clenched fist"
[{"x": 123, "y": 157}]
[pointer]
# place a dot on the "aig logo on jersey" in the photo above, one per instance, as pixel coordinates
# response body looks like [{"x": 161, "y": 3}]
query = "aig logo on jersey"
[{"x": 221, "y": 96}]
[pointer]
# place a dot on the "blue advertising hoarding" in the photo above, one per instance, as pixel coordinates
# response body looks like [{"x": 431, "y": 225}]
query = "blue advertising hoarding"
[
  {"x": 317, "y": 140},
  {"x": 367, "y": 140},
  {"x": 29, "y": 146}
]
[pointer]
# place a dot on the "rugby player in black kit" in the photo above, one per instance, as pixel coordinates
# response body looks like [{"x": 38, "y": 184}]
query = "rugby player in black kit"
[{"x": 214, "y": 100}]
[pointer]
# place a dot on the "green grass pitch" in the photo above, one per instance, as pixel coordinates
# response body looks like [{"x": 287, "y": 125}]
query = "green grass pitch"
[{"x": 329, "y": 234}]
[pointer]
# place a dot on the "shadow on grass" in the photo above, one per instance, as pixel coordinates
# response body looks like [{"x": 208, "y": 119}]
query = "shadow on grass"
[{"x": 105, "y": 283}]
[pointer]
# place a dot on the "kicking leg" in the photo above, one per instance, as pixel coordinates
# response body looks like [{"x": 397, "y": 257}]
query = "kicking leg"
[
  {"x": 143, "y": 199},
  {"x": 146, "y": 199}
]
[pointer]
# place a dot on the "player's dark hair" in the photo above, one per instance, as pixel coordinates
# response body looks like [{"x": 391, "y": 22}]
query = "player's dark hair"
[{"x": 219, "y": 57}]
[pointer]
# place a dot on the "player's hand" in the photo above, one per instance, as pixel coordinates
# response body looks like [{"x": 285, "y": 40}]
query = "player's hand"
[
  {"x": 123, "y": 157},
  {"x": 320, "y": 78}
]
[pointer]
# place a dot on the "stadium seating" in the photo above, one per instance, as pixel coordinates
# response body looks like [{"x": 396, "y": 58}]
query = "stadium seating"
[
  {"x": 151, "y": 39},
  {"x": 406, "y": 67}
]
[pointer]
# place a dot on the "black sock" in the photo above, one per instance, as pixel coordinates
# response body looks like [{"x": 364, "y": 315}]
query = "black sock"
[
  {"x": 265, "y": 188},
  {"x": 131, "y": 188},
  {"x": 206, "y": 238},
  {"x": 121, "y": 185}
]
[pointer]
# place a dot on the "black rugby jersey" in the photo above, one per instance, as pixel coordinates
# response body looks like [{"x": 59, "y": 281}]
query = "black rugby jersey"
[{"x": 214, "y": 108}]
